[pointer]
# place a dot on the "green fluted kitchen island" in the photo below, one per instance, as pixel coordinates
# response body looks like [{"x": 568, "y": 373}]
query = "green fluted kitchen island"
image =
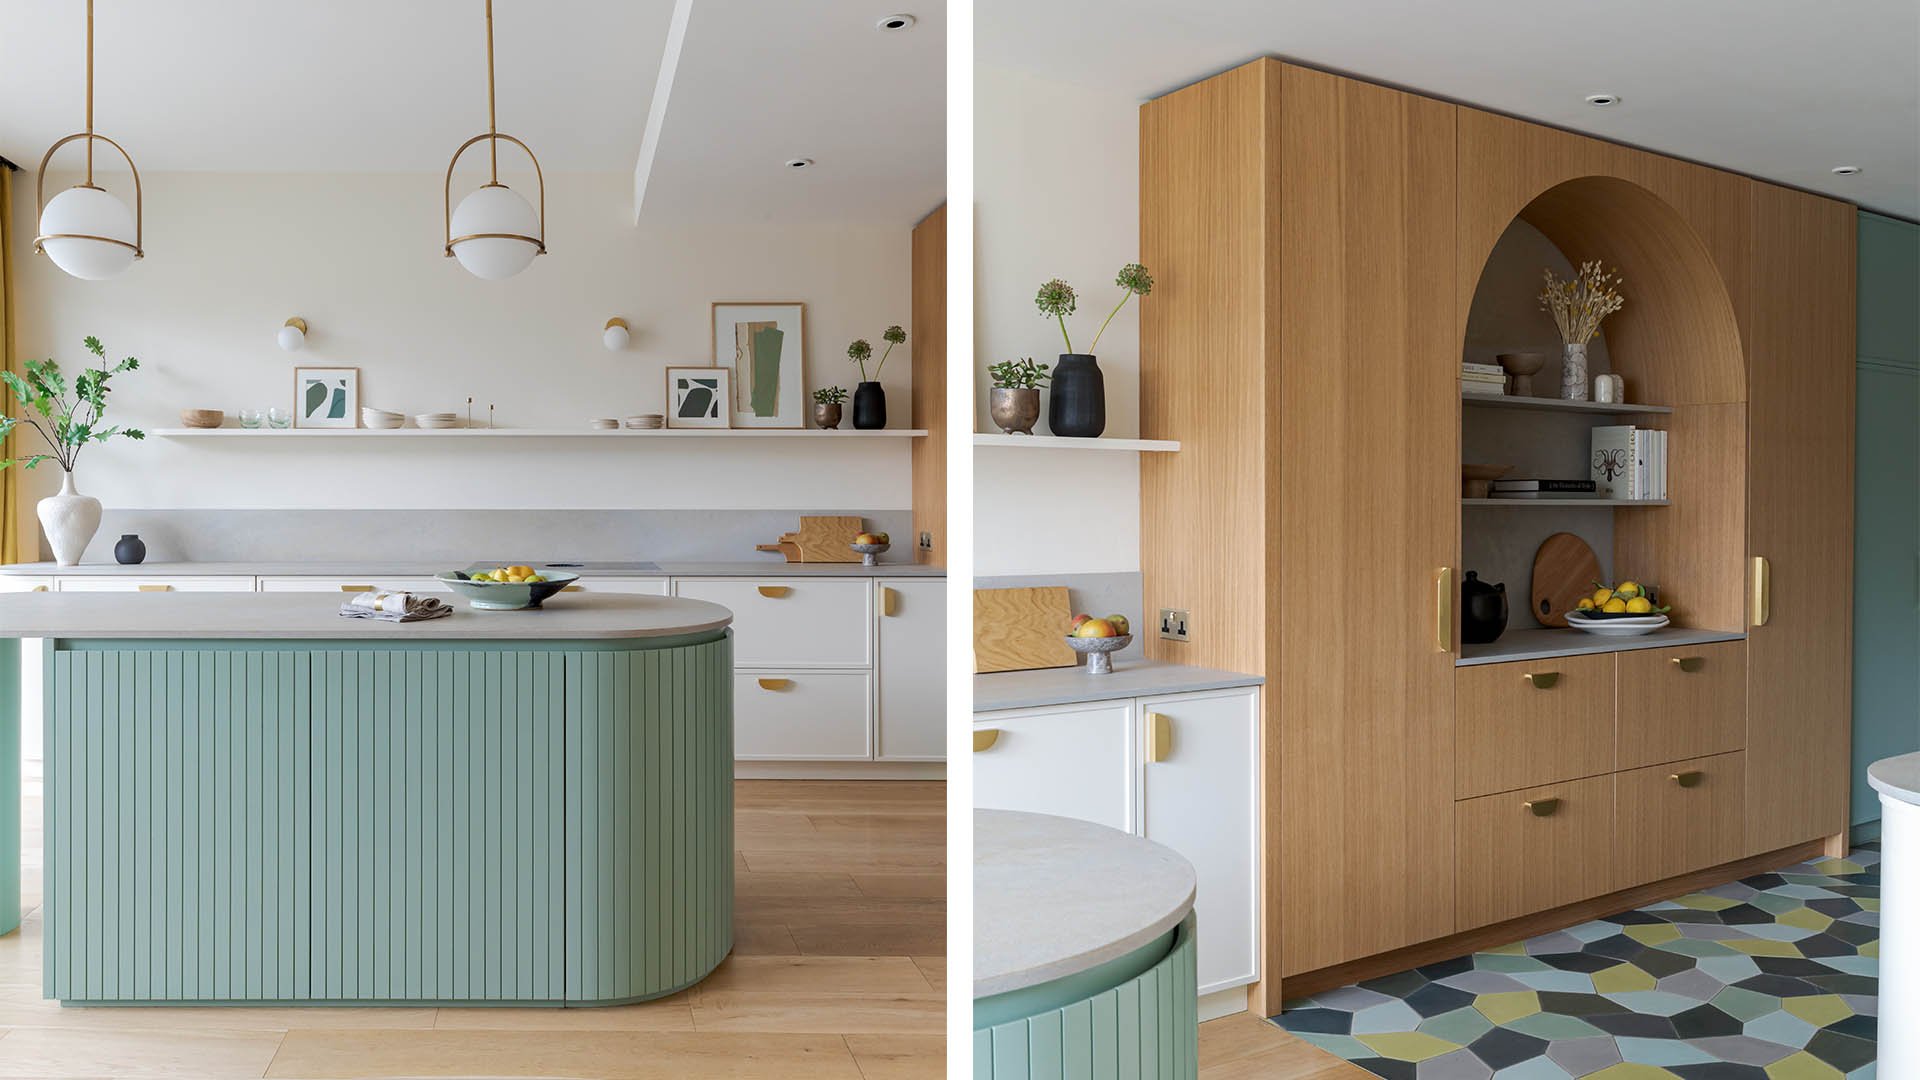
[{"x": 250, "y": 799}]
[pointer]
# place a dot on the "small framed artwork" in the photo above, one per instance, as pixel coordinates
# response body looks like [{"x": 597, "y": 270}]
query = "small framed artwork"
[
  {"x": 762, "y": 345},
  {"x": 697, "y": 397},
  {"x": 326, "y": 397}
]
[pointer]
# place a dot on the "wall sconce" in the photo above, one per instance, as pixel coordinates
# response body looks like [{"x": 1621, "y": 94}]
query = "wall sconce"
[
  {"x": 616, "y": 335},
  {"x": 293, "y": 334}
]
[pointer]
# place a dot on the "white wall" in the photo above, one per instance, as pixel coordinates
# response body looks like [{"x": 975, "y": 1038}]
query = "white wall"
[
  {"x": 230, "y": 257},
  {"x": 1057, "y": 191}
]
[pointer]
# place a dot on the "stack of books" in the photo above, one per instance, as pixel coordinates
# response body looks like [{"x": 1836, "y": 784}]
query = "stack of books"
[
  {"x": 1482, "y": 379},
  {"x": 1541, "y": 489},
  {"x": 1629, "y": 462}
]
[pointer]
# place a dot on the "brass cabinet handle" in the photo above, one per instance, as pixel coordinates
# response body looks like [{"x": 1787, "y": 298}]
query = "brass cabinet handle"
[
  {"x": 1543, "y": 680},
  {"x": 39, "y": 588},
  {"x": 1443, "y": 609},
  {"x": 889, "y": 600},
  {"x": 775, "y": 592},
  {"x": 1689, "y": 664},
  {"x": 1687, "y": 777},
  {"x": 571, "y": 588},
  {"x": 1159, "y": 737},
  {"x": 984, "y": 738},
  {"x": 156, "y": 588},
  {"x": 775, "y": 685},
  {"x": 1762, "y": 599},
  {"x": 356, "y": 588},
  {"x": 1542, "y": 807}
]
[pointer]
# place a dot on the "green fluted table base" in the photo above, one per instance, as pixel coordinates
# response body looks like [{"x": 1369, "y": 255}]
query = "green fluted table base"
[
  {"x": 515, "y": 823},
  {"x": 1146, "y": 1027}
]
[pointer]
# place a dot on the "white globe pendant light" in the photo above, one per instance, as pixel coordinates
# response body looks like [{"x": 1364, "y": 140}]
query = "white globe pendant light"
[
  {"x": 494, "y": 232},
  {"x": 85, "y": 230}
]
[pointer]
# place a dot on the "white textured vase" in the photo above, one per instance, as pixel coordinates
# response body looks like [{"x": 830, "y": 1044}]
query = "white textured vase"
[
  {"x": 1573, "y": 373},
  {"x": 70, "y": 520}
]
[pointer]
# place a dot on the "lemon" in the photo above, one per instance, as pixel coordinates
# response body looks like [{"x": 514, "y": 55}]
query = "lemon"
[
  {"x": 1639, "y": 605},
  {"x": 482, "y": 576},
  {"x": 1614, "y": 606},
  {"x": 1586, "y": 604},
  {"x": 1630, "y": 589},
  {"x": 1601, "y": 596},
  {"x": 535, "y": 578}
]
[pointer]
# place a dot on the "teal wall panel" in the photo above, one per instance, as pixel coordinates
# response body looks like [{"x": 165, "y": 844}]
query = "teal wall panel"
[{"x": 1886, "y": 559}]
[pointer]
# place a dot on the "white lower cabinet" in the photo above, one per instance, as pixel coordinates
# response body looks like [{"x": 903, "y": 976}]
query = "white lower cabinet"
[
  {"x": 802, "y": 715},
  {"x": 792, "y": 622},
  {"x": 1178, "y": 769},
  {"x": 176, "y": 583},
  {"x": 351, "y": 585},
  {"x": 627, "y": 586},
  {"x": 911, "y": 668}
]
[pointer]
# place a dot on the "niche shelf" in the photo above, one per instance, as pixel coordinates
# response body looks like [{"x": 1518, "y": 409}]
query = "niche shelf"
[
  {"x": 531, "y": 433},
  {"x": 1055, "y": 442},
  {"x": 1536, "y": 404},
  {"x": 1562, "y": 504}
]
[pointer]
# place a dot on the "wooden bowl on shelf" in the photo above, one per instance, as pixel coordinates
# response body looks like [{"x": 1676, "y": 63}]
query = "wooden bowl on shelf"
[
  {"x": 1475, "y": 479},
  {"x": 203, "y": 418}
]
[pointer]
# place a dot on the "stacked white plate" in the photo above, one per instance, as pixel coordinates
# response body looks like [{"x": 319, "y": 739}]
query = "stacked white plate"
[
  {"x": 604, "y": 423},
  {"x": 1617, "y": 625},
  {"x": 381, "y": 418},
  {"x": 437, "y": 420},
  {"x": 646, "y": 422}
]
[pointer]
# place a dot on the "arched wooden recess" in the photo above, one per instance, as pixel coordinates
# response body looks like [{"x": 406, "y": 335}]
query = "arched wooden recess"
[{"x": 1676, "y": 342}]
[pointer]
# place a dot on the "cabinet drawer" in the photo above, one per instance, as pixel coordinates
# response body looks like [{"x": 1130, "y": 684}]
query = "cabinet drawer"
[
  {"x": 1516, "y": 858},
  {"x": 1532, "y": 722},
  {"x": 801, "y": 716},
  {"x": 352, "y": 584},
  {"x": 182, "y": 583},
  {"x": 1075, "y": 761},
  {"x": 1669, "y": 819},
  {"x": 791, "y": 622},
  {"x": 1682, "y": 703},
  {"x": 625, "y": 586}
]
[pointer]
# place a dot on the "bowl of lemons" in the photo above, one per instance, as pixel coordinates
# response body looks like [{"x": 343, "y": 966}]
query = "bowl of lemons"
[
  {"x": 1624, "y": 610},
  {"x": 507, "y": 588}
]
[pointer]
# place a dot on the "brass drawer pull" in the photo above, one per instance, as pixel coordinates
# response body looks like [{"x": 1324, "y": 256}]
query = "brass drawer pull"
[
  {"x": 775, "y": 592},
  {"x": 889, "y": 600},
  {"x": 571, "y": 588},
  {"x": 1689, "y": 664},
  {"x": 1542, "y": 807},
  {"x": 1761, "y": 600},
  {"x": 356, "y": 588},
  {"x": 1443, "y": 609},
  {"x": 1687, "y": 777},
  {"x": 984, "y": 738},
  {"x": 156, "y": 588},
  {"x": 775, "y": 685},
  {"x": 39, "y": 588},
  {"x": 1159, "y": 737},
  {"x": 1543, "y": 680}
]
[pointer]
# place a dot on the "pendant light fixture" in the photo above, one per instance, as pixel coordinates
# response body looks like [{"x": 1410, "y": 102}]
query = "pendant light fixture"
[
  {"x": 493, "y": 232},
  {"x": 84, "y": 230}
]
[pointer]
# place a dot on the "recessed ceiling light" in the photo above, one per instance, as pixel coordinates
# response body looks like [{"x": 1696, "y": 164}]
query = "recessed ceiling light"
[
  {"x": 1603, "y": 99},
  {"x": 799, "y": 162},
  {"x": 894, "y": 24},
  {"x": 1845, "y": 170}
]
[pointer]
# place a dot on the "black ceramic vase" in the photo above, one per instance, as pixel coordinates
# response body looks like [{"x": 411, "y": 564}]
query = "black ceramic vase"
[
  {"x": 1483, "y": 610},
  {"x": 1078, "y": 405},
  {"x": 130, "y": 551},
  {"x": 869, "y": 406}
]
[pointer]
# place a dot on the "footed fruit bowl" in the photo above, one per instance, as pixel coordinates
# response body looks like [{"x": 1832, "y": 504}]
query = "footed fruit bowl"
[
  {"x": 1098, "y": 651},
  {"x": 506, "y": 595},
  {"x": 869, "y": 552}
]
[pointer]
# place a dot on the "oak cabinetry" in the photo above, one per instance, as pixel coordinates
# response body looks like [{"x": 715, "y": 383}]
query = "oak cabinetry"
[
  {"x": 1533, "y": 722},
  {"x": 1680, "y": 703},
  {"x": 1533, "y": 849},
  {"x": 1676, "y": 817}
]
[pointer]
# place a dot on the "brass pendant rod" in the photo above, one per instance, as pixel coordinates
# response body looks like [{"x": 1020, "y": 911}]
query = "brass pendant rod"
[
  {"x": 493, "y": 128},
  {"x": 90, "y": 91}
]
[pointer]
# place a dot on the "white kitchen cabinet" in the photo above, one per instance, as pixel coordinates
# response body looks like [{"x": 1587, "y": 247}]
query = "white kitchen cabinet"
[
  {"x": 1198, "y": 796},
  {"x": 802, "y": 715},
  {"x": 792, "y": 622},
  {"x": 910, "y": 651},
  {"x": 625, "y": 586},
  {"x": 1178, "y": 769},
  {"x": 352, "y": 584},
  {"x": 9, "y": 583},
  {"x": 174, "y": 583},
  {"x": 1075, "y": 761}
]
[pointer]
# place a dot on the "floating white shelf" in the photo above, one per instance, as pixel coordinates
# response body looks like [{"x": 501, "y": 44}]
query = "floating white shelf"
[
  {"x": 530, "y": 433},
  {"x": 1055, "y": 442},
  {"x": 1537, "y": 404},
  {"x": 1543, "y": 504}
]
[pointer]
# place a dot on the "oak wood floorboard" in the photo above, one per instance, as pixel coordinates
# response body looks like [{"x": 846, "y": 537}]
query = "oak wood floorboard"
[
  {"x": 51, "y": 1053},
  {"x": 1243, "y": 1045},
  {"x": 587, "y": 1055}
]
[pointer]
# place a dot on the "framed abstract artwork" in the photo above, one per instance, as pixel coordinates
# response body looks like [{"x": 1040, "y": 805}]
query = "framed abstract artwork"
[
  {"x": 762, "y": 345},
  {"x": 697, "y": 397},
  {"x": 326, "y": 397}
]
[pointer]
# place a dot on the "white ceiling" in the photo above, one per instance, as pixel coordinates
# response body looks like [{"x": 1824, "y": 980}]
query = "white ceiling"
[
  {"x": 397, "y": 85},
  {"x": 1782, "y": 89}
]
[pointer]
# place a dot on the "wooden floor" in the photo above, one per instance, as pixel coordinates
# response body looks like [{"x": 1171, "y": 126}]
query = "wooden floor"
[
  {"x": 1244, "y": 1047},
  {"x": 837, "y": 972}
]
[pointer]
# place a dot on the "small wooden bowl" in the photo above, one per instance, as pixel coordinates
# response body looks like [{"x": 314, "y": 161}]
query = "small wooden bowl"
[
  {"x": 203, "y": 418},
  {"x": 1476, "y": 481}
]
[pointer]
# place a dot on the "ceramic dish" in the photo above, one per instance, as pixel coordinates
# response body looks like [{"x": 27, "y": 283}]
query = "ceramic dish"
[
  {"x": 506, "y": 595},
  {"x": 437, "y": 420},
  {"x": 381, "y": 418},
  {"x": 1097, "y": 650},
  {"x": 869, "y": 552},
  {"x": 1632, "y": 626}
]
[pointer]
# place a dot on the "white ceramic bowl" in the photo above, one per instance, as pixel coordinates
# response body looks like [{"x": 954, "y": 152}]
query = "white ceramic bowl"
[{"x": 1630, "y": 626}]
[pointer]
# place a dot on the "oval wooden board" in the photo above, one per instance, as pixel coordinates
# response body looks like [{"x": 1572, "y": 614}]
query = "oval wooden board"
[{"x": 1564, "y": 570}]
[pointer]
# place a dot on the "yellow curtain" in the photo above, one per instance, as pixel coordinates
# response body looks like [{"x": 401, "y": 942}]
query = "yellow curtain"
[{"x": 9, "y": 481}]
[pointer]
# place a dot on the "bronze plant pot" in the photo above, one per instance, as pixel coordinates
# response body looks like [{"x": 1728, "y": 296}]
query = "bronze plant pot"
[
  {"x": 826, "y": 416},
  {"x": 1015, "y": 411}
]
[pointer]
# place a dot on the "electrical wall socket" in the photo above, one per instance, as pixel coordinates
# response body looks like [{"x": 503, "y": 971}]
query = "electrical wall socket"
[
  {"x": 1173, "y": 624},
  {"x": 926, "y": 541}
]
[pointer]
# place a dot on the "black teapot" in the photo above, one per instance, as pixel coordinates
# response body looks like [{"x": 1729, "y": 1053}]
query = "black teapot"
[{"x": 1483, "y": 610}]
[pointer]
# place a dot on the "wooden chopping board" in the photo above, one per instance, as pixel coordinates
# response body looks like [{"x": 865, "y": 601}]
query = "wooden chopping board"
[
  {"x": 820, "y": 539},
  {"x": 1564, "y": 570},
  {"x": 1019, "y": 629}
]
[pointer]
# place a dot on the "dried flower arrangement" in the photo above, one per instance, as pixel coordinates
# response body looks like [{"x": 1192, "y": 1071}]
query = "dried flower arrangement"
[{"x": 1580, "y": 304}]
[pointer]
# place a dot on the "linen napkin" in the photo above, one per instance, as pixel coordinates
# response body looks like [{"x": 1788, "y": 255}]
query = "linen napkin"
[{"x": 395, "y": 607}]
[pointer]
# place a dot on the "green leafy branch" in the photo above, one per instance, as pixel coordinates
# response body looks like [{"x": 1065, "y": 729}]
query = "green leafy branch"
[
  {"x": 1021, "y": 374},
  {"x": 67, "y": 414}
]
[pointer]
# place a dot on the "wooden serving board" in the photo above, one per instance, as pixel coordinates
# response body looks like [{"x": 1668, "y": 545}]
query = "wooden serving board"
[
  {"x": 1564, "y": 570},
  {"x": 1020, "y": 629},
  {"x": 820, "y": 539}
]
